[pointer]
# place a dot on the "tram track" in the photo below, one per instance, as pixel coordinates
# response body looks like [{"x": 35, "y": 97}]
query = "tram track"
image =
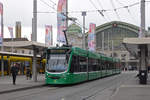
[
  {"x": 85, "y": 91},
  {"x": 108, "y": 87}
]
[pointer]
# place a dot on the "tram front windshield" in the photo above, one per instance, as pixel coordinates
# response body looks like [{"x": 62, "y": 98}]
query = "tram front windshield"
[{"x": 57, "y": 61}]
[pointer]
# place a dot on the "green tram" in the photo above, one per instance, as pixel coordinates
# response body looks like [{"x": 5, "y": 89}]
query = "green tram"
[{"x": 70, "y": 65}]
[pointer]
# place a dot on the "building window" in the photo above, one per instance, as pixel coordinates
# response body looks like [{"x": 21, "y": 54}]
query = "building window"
[
  {"x": 29, "y": 52},
  {"x": 22, "y": 51},
  {"x": 15, "y": 51}
]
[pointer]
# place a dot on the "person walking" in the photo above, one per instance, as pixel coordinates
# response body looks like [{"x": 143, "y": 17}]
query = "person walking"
[
  {"x": 14, "y": 72},
  {"x": 28, "y": 73}
]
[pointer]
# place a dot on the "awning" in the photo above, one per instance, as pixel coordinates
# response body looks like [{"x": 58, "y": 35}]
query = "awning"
[
  {"x": 131, "y": 44},
  {"x": 25, "y": 45}
]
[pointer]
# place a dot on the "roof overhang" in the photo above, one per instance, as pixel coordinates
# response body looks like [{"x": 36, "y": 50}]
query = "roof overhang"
[
  {"x": 17, "y": 54},
  {"x": 25, "y": 45},
  {"x": 132, "y": 44}
]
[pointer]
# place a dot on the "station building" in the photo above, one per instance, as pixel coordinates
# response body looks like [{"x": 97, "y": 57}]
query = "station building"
[{"x": 109, "y": 39}]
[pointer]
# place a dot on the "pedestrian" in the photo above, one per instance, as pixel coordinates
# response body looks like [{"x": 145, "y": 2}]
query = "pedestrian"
[
  {"x": 14, "y": 72},
  {"x": 28, "y": 73}
]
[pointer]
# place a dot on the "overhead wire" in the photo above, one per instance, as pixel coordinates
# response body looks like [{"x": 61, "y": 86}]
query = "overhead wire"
[
  {"x": 56, "y": 12},
  {"x": 103, "y": 8},
  {"x": 128, "y": 10},
  {"x": 52, "y": 2},
  {"x": 100, "y": 11},
  {"x": 48, "y": 5},
  {"x": 74, "y": 21},
  {"x": 112, "y": 3},
  {"x": 97, "y": 10}
]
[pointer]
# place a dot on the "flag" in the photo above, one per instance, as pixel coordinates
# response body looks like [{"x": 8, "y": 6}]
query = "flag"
[
  {"x": 91, "y": 37},
  {"x": 61, "y": 20},
  {"x": 1, "y": 9},
  {"x": 48, "y": 35},
  {"x": 11, "y": 31}
]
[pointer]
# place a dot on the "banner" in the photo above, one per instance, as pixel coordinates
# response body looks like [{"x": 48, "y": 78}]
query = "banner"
[
  {"x": 1, "y": 14},
  {"x": 11, "y": 32},
  {"x": 48, "y": 35},
  {"x": 91, "y": 37},
  {"x": 61, "y": 20}
]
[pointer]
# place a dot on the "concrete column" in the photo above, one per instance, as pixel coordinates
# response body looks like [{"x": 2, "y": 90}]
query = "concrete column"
[
  {"x": 143, "y": 64},
  {"x": 143, "y": 48},
  {"x": 34, "y": 20},
  {"x": 143, "y": 56},
  {"x": 34, "y": 67}
]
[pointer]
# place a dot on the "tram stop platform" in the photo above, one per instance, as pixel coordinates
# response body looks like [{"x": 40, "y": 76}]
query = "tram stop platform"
[
  {"x": 6, "y": 83},
  {"x": 132, "y": 90}
]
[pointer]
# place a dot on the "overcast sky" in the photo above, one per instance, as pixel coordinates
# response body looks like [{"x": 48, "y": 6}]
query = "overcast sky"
[{"x": 21, "y": 10}]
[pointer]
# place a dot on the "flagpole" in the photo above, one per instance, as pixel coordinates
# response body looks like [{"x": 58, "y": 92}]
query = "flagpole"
[
  {"x": 12, "y": 45},
  {"x": 2, "y": 47}
]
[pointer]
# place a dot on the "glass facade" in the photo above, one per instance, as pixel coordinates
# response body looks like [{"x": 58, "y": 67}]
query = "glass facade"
[{"x": 111, "y": 37}]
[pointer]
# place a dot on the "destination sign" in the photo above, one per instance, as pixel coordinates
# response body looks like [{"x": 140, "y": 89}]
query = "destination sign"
[{"x": 57, "y": 51}]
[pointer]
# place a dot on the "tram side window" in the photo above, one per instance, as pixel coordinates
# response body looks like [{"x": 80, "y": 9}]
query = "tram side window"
[
  {"x": 99, "y": 65},
  {"x": 79, "y": 64},
  {"x": 93, "y": 65},
  {"x": 90, "y": 65},
  {"x": 83, "y": 64},
  {"x": 103, "y": 65},
  {"x": 115, "y": 65},
  {"x": 108, "y": 65},
  {"x": 112, "y": 64},
  {"x": 75, "y": 64}
]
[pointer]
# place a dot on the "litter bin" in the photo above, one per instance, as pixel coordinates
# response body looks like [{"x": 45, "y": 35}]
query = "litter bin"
[{"x": 143, "y": 76}]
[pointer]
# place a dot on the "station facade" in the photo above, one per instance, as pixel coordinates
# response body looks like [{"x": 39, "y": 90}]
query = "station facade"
[{"x": 109, "y": 39}]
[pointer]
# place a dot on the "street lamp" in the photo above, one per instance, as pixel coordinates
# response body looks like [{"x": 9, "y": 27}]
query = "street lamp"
[{"x": 83, "y": 39}]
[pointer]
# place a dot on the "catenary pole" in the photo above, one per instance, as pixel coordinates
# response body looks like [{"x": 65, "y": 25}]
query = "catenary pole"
[
  {"x": 143, "y": 48},
  {"x": 83, "y": 41},
  {"x": 34, "y": 38}
]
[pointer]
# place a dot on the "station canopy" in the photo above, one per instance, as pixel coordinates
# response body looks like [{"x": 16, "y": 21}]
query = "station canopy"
[
  {"x": 131, "y": 44},
  {"x": 25, "y": 45}
]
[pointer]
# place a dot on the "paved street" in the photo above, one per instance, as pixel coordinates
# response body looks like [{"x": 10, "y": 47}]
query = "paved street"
[
  {"x": 102, "y": 89},
  {"x": 21, "y": 83}
]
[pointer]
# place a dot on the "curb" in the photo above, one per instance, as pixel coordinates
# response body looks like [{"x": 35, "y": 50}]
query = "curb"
[{"x": 22, "y": 89}]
